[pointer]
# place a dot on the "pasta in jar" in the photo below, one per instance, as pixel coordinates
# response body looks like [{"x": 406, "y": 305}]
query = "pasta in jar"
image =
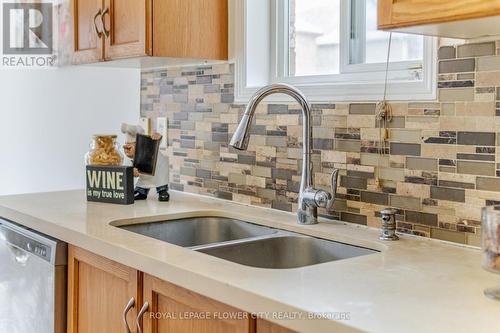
[{"x": 104, "y": 151}]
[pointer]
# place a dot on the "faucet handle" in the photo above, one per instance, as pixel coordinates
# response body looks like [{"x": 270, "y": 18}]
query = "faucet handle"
[
  {"x": 333, "y": 184},
  {"x": 325, "y": 199}
]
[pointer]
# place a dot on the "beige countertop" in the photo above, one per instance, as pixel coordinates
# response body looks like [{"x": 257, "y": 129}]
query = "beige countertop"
[{"x": 412, "y": 285}]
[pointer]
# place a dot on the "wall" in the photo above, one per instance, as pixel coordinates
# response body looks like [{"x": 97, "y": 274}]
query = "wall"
[
  {"x": 48, "y": 117},
  {"x": 441, "y": 166}
]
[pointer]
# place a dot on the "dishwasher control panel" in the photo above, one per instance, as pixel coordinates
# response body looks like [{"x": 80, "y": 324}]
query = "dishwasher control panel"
[
  {"x": 37, "y": 248},
  {"x": 20, "y": 241}
]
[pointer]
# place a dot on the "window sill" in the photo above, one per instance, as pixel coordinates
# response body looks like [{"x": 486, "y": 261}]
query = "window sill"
[{"x": 344, "y": 92}]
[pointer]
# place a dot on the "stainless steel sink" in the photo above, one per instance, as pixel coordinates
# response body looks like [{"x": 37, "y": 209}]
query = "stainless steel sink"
[
  {"x": 197, "y": 231},
  {"x": 246, "y": 243},
  {"x": 286, "y": 252}
]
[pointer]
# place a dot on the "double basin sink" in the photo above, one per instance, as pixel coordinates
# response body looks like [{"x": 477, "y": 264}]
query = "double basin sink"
[{"x": 246, "y": 243}]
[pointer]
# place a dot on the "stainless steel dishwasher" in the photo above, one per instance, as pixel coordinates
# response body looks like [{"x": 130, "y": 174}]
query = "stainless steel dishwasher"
[{"x": 32, "y": 281}]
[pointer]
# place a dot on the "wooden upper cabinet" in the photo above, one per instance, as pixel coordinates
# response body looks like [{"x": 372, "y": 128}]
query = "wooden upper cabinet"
[
  {"x": 190, "y": 29},
  {"x": 175, "y": 310},
  {"x": 127, "y": 28},
  {"x": 117, "y": 29},
  {"x": 98, "y": 292},
  {"x": 88, "y": 46},
  {"x": 448, "y": 18}
]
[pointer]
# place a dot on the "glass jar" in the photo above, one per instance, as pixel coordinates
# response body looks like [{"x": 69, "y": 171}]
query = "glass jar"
[
  {"x": 490, "y": 243},
  {"x": 104, "y": 150}
]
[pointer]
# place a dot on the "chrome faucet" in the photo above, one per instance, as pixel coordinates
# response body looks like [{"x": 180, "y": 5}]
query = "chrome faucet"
[{"x": 309, "y": 198}]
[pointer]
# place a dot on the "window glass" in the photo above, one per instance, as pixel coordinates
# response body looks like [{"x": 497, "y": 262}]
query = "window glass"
[
  {"x": 373, "y": 47},
  {"x": 314, "y": 36}
]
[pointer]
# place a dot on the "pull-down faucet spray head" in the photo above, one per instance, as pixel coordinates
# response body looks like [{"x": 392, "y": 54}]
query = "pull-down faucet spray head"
[{"x": 242, "y": 135}]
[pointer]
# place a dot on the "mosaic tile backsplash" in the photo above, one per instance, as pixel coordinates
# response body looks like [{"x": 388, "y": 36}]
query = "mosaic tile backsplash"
[{"x": 440, "y": 169}]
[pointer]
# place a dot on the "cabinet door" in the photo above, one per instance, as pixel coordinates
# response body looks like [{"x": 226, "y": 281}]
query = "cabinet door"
[
  {"x": 174, "y": 309},
  {"x": 98, "y": 291},
  {"x": 127, "y": 28},
  {"x": 190, "y": 29},
  {"x": 264, "y": 326},
  {"x": 401, "y": 13},
  {"x": 88, "y": 46}
]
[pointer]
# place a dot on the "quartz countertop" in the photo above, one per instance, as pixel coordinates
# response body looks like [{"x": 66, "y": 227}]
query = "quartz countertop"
[{"x": 412, "y": 285}]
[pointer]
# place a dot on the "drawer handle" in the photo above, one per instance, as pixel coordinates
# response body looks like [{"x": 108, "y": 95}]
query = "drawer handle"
[
  {"x": 129, "y": 306},
  {"x": 98, "y": 33},
  {"x": 144, "y": 309},
  {"x": 104, "y": 13}
]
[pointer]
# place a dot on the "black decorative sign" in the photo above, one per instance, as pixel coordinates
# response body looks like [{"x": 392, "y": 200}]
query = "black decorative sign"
[{"x": 111, "y": 184}]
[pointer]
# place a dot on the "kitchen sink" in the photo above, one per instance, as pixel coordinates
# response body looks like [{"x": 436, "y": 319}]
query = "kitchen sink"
[
  {"x": 197, "y": 231},
  {"x": 286, "y": 252},
  {"x": 246, "y": 243}
]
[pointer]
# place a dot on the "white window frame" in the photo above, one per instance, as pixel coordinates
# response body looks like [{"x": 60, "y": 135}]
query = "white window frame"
[{"x": 259, "y": 60}]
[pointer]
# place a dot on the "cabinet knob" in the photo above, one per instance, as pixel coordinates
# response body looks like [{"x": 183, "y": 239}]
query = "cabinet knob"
[{"x": 129, "y": 306}]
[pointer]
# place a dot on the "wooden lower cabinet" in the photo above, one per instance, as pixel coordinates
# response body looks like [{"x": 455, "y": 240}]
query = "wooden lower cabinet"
[
  {"x": 98, "y": 291},
  {"x": 175, "y": 309},
  {"x": 264, "y": 326}
]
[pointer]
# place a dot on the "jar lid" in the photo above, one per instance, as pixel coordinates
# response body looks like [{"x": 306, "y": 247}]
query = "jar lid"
[{"x": 112, "y": 136}]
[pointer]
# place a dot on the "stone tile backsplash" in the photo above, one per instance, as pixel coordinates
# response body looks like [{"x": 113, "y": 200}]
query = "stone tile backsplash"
[{"x": 439, "y": 170}]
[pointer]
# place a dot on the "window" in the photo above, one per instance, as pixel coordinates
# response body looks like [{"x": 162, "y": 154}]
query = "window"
[
  {"x": 313, "y": 37},
  {"x": 369, "y": 45},
  {"x": 330, "y": 49}
]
